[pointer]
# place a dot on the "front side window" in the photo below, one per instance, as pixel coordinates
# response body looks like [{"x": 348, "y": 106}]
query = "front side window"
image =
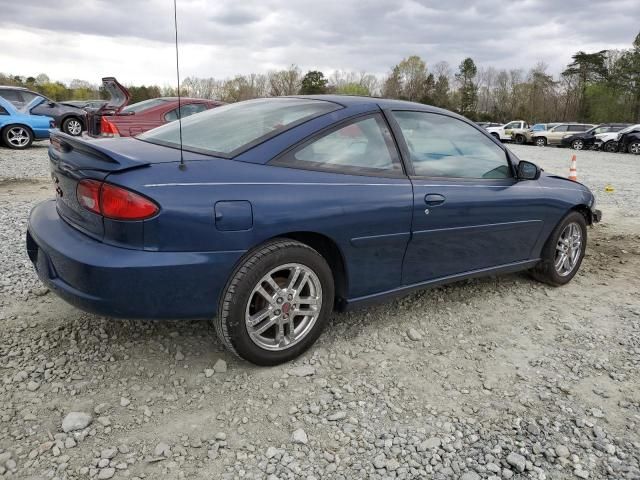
[
  {"x": 442, "y": 146},
  {"x": 560, "y": 128},
  {"x": 362, "y": 147},
  {"x": 512, "y": 125},
  {"x": 538, "y": 127},
  {"x": 232, "y": 128}
]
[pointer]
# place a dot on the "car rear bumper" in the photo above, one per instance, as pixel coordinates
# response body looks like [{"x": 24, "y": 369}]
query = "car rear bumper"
[{"x": 120, "y": 282}]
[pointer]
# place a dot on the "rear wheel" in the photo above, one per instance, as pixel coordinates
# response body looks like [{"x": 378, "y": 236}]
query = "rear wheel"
[
  {"x": 17, "y": 137},
  {"x": 577, "y": 144},
  {"x": 276, "y": 303},
  {"x": 520, "y": 140},
  {"x": 611, "y": 146},
  {"x": 540, "y": 141},
  {"x": 72, "y": 126},
  {"x": 634, "y": 148},
  {"x": 564, "y": 251}
]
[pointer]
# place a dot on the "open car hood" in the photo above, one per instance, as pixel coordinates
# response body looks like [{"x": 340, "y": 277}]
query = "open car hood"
[{"x": 119, "y": 96}]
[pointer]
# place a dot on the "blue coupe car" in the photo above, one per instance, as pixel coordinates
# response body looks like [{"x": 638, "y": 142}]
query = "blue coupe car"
[
  {"x": 276, "y": 211},
  {"x": 19, "y": 128}
]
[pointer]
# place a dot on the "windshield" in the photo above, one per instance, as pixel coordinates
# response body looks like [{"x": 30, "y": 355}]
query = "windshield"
[
  {"x": 144, "y": 105},
  {"x": 231, "y": 128},
  {"x": 538, "y": 127},
  {"x": 629, "y": 129},
  {"x": 32, "y": 104}
]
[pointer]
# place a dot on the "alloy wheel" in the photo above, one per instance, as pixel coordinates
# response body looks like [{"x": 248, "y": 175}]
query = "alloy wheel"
[
  {"x": 635, "y": 148},
  {"x": 578, "y": 144},
  {"x": 283, "y": 307},
  {"x": 18, "y": 137},
  {"x": 74, "y": 127},
  {"x": 568, "y": 249},
  {"x": 540, "y": 142}
]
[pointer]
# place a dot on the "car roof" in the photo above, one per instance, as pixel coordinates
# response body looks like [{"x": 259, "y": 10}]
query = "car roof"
[
  {"x": 13, "y": 87},
  {"x": 384, "y": 103}
]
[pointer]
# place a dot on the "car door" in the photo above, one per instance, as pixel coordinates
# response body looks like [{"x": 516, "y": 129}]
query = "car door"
[
  {"x": 509, "y": 127},
  {"x": 554, "y": 136},
  {"x": 470, "y": 213},
  {"x": 354, "y": 170}
]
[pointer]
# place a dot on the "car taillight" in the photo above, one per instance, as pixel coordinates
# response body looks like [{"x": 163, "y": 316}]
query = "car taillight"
[
  {"x": 107, "y": 128},
  {"x": 114, "y": 202}
]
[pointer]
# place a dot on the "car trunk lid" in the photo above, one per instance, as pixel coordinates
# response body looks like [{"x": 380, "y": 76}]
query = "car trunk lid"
[{"x": 73, "y": 159}]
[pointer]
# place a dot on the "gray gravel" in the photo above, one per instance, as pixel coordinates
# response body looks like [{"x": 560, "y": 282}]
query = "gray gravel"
[{"x": 495, "y": 378}]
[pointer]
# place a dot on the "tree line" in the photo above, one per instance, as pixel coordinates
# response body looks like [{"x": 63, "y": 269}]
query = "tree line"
[{"x": 595, "y": 87}]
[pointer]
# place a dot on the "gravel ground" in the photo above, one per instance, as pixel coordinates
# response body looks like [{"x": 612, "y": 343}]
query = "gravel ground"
[{"x": 494, "y": 378}]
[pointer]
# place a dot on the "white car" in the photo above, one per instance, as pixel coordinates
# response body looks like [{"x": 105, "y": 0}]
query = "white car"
[
  {"x": 609, "y": 141},
  {"x": 504, "y": 132}
]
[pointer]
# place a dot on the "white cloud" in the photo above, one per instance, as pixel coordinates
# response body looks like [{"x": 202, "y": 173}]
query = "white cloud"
[{"x": 133, "y": 40}]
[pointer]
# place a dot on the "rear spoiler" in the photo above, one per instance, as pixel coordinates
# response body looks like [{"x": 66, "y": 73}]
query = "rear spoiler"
[{"x": 90, "y": 154}]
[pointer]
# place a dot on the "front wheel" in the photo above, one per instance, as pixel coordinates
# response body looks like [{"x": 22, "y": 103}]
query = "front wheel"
[
  {"x": 520, "y": 140},
  {"x": 17, "y": 137},
  {"x": 276, "y": 303},
  {"x": 72, "y": 126},
  {"x": 563, "y": 253},
  {"x": 634, "y": 148},
  {"x": 496, "y": 136},
  {"x": 540, "y": 141},
  {"x": 577, "y": 144},
  {"x": 611, "y": 146}
]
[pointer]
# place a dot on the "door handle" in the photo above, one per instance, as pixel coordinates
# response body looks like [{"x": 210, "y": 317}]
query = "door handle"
[{"x": 434, "y": 199}]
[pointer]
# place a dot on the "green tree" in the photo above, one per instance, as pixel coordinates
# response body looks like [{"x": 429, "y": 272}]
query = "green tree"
[
  {"x": 468, "y": 93},
  {"x": 353, "y": 89},
  {"x": 313, "y": 83},
  {"x": 407, "y": 80},
  {"x": 587, "y": 68}
]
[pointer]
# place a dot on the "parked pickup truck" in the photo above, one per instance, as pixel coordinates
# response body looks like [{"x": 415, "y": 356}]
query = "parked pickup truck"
[{"x": 504, "y": 132}]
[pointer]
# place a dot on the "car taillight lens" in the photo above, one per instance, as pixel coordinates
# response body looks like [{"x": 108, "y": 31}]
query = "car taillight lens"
[
  {"x": 107, "y": 128},
  {"x": 114, "y": 202}
]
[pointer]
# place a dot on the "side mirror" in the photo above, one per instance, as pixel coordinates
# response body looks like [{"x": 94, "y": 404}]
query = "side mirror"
[
  {"x": 528, "y": 171},
  {"x": 52, "y": 104}
]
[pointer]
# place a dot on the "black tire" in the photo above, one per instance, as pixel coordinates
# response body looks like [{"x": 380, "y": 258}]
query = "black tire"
[
  {"x": 634, "y": 147},
  {"x": 520, "y": 139},
  {"x": 72, "y": 126},
  {"x": 540, "y": 141},
  {"x": 10, "y": 136},
  {"x": 495, "y": 135},
  {"x": 611, "y": 146},
  {"x": 545, "y": 271},
  {"x": 230, "y": 321}
]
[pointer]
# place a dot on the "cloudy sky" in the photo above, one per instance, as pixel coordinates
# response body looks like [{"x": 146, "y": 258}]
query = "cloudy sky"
[{"x": 133, "y": 39}]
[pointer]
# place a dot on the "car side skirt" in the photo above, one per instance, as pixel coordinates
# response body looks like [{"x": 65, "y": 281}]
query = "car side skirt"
[{"x": 364, "y": 301}]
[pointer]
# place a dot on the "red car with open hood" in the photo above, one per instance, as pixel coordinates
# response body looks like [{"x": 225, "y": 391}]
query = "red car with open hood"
[{"x": 118, "y": 118}]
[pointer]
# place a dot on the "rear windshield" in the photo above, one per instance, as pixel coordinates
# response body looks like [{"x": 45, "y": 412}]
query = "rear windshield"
[
  {"x": 229, "y": 129},
  {"x": 144, "y": 105}
]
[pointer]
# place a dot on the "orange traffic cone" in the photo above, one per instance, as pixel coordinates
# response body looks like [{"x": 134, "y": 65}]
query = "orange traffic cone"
[{"x": 573, "y": 173}]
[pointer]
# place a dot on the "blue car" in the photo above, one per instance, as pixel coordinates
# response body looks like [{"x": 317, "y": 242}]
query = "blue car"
[
  {"x": 19, "y": 128},
  {"x": 266, "y": 215}
]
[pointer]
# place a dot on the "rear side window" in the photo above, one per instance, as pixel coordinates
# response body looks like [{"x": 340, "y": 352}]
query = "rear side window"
[
  {"x": 560, "y": 128},
  {"x": 442, "y": 146},
  {"x": 362, "y": 147},
  {"x": 227, "y": 130},
  {"x": 144, "y": 105},
  {"x": 186, "y": 110}
]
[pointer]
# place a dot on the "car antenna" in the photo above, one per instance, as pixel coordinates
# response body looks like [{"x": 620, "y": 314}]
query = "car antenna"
[{"x": 182, "y": 165}]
